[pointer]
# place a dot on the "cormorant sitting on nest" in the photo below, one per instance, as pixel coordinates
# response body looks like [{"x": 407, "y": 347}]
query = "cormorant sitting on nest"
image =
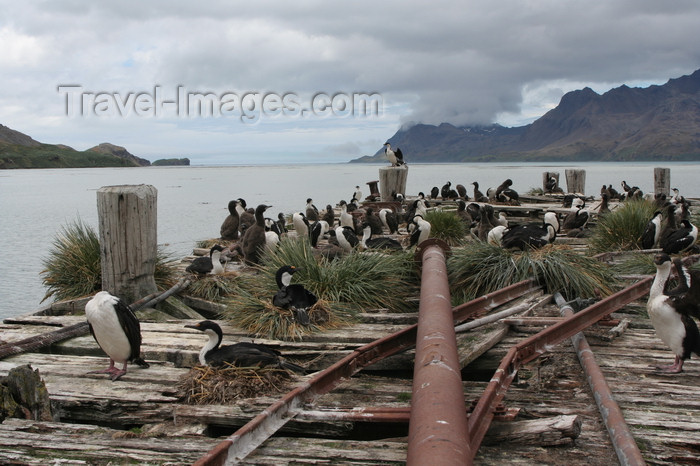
[{"x": 241, "y": 354}]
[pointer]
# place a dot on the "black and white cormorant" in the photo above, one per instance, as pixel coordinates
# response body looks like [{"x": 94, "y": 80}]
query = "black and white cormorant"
[
  {"x": 346, "y": 219},
  {"x": 346, "y": 237},
  {"x": 673, "y": 325},
  {"x": 301, "y": 224},
  {"x": 552, "y": 186},
  {"x": 445, "y": 190},
  {"x": 254, "y": 239},
  {"x": 357, "y": 195},
  {"x": 241, "y": 354},
  {"x": 682, "y": 239},
  {"x": 272, "y": 239},
  {"x": 652, "y": 230},
  {"x": 421, "y": 230},
  {"x": 229, "y": 229},
  {"x": 279, "y": 226},
  {"x": 389, "y": 220},
  {"x": 382, "y": 242},
  {"x": 294, "y": 297},
  {"x": 374, "y": 221},
  {"x": 578, "y": 217},
  {"x": 495, "y": 235},
  {"x": 116, "y": 330},
  {"x": 434, "y": 192},
  {"x": 210, "y": 264},
  {"x": 311, "y": 211},
  {"x": 504, "y": 192},
  {"x": 631, "y": 192},
  {"x": 395, "y": 157},
  {"x": 530, "y": 235},
  {"x": 317, "y": 230}
]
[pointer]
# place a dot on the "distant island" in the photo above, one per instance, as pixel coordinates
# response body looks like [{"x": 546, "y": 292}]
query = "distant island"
[
  {"x": 167, "y": 162},
  {"x": 657, "y": 123}
]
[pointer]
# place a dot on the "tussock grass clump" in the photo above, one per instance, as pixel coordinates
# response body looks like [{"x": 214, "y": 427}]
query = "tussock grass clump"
[
  {"x": 344, "y": 286},
  {"x": 209, "y": 385},
  {"x": 209, "y": 243},
  {"x": 214, "y": 287},
  {"x": 638, "y": 264},
  {"x": 446, "y": 226},
  {"x": 621, "y": 229},
  {"x": 72, "y": 268},
  {"x": 481, "y": 268}
]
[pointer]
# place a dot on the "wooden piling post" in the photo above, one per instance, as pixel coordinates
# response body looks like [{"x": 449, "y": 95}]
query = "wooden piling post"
[
  {"x": 662, "y": 181},
  {"x": 128, "y": 239},
  {"x": 392, "y": 181},
  {"x": 575, "y": 181}
]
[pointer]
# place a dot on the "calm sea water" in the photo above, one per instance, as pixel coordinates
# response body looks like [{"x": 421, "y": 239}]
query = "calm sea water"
[{"x": 192, "y": 201}]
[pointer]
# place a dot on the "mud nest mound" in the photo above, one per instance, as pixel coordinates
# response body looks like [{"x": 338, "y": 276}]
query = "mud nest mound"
[{"x": 209, "y": 385}]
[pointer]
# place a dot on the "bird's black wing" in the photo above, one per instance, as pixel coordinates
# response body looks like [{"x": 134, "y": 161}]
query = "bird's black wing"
[
  {"x": 676, "y": 241},
  {"x": 399, "y": 155},
  {"x": 352, "y": 238},
  {"x": 315, "y": 233},
  {"x": 648, "y": 235},
  {"x": 282, "y": 298},
  {"x": 131, "y": 326},
  {"x": 300, "y": 296},
  {"x": 415, "y": 236},
  {"x": 245, "y": 355},
  {"x": 202, "y": 265}
]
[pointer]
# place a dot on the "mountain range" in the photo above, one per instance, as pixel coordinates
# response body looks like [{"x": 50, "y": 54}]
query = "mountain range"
[{"x": 659, "y": 122}]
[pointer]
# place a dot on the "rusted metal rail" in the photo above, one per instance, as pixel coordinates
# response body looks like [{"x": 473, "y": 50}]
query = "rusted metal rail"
[
  {"x": 536, "y": 345},
  {"x": 625, "y": 447},
  {"x": 437, "y": 431},
  {"x": 246, "y": 439}
]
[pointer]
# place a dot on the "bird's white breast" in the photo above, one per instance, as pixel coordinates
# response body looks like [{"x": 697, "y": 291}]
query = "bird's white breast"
[
  {"x": 667, "y": 323},
  {"x": 109, "y": 334}
]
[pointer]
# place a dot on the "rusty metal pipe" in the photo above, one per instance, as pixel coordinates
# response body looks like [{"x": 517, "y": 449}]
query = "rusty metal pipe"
[
  {"x": 438, "y": 430},
  {"x": 625, "y": 447},
  {"x": 531, "y": 348}
]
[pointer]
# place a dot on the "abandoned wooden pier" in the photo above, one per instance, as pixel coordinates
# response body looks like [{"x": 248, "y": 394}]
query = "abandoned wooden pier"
[{"x": 548, "y": 415}]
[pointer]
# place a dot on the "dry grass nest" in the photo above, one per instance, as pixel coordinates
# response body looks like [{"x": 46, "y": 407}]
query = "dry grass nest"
[
  {"x": 209, "y": 385},
  {"x": 274, "y": 322}
]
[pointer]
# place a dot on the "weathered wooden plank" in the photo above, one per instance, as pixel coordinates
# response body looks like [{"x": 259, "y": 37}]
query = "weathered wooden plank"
[
  {"x": 559, "y": 430},
  {"x": 287, "y": 451},
  {"x": 33, "y": 442}
]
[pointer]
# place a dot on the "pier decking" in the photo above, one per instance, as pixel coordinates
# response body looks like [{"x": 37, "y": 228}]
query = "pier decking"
[{"x": 96, "y": 413}]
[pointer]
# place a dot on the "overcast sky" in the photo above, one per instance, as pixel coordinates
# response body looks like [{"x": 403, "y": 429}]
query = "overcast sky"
[{"x": 85, "y": 72}]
